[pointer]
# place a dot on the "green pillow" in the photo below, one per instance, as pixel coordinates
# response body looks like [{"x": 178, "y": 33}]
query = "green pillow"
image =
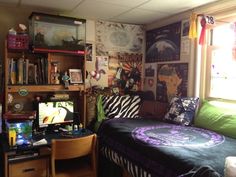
[
  {"x": 100, "y": 110},
  {"x": 100, "y": 113},
  {"x": 217, "y": 116}
]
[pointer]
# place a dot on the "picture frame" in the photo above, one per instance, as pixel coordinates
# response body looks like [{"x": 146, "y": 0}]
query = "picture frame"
[
  {"x": 185, "y": 28},
  {"x": 75, "y": 76},
  {"x": 89, "y": 51}
]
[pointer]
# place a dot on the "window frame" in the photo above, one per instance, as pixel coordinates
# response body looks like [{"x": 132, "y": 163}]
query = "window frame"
[{"x": 208, "y": 64}]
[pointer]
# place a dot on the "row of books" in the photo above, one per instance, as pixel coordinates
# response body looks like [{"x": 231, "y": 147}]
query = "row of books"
[{"x": 24, "y": 71}]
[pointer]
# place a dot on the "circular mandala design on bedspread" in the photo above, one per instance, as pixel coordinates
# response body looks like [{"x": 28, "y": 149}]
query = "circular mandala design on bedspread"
[{"x": 176, "y": 136}]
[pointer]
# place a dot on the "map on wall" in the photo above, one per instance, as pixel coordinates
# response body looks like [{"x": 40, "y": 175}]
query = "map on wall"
[
  {"x": 172, "y": 80},
  {"x": 163, "y": 44},
  {"x": 118, "y": 37}
]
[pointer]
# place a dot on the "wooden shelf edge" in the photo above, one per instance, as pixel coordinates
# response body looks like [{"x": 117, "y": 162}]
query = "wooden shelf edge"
[{"x": 44, "y": 88}]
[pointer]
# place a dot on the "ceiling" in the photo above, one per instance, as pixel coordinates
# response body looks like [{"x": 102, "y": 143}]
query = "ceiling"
[{"x": 125, "y": 11}]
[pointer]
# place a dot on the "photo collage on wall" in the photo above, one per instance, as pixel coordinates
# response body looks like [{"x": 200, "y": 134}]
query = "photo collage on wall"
[
  {"x": 163, "y": 46},
  {"x": 123, "y": 44}
]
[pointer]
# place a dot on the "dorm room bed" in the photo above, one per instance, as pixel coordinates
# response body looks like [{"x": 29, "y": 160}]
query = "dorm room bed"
[{"x": 150, "y": 148}]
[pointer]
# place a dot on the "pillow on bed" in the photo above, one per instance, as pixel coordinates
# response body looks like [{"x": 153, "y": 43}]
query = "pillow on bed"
[
  {"x": 217, "y": 116},
  {"x": 121, "y": 106},
  {"x": 182, "y": 110}
]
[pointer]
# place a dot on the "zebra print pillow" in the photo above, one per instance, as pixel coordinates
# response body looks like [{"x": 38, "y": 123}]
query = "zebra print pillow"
[{"x": 121, "y": 106}]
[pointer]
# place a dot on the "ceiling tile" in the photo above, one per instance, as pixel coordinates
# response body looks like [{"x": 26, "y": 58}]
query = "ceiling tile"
[
  {"x": 127, "y": 11},
  {"x": 10, "y": 2},
  {"x": 97, "y": 10},
  {"x": 126, "y": 3},
  {"x": 63, "y": 5},
  {"x": 173, "y": 6},
  {"x": 139, "y": 16}
]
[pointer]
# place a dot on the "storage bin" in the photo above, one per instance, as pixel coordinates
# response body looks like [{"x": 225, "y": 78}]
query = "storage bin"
[{"x": 18, "y": 41}]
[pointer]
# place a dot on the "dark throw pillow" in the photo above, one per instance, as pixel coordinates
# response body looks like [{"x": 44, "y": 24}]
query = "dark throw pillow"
[{"x": 182, "y": 110}]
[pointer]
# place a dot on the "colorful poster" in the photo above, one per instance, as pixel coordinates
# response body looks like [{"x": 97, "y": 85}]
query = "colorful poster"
[
  {"x": 125, "y": 71},
  {"x": 118, "y": 37},
  {"x": 163, "y": 44},
  {"x": 172, "y": 80}
]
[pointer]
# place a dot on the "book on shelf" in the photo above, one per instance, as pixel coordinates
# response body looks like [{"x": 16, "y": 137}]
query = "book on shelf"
[
  {"x": 12, "y": 73},
  {"x": 39, "y": 71},
  {"x": 23, "y": 71},
  {"x": 42, "y": 64},
  {"x": 20, "y": 63},
  {"x": 19, "y": 115},
  {"x": 31, "y": 73},
  {"x": 36, "y": 74}
]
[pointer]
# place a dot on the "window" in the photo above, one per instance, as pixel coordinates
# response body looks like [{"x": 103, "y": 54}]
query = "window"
[{"x": 222, "y": 67}]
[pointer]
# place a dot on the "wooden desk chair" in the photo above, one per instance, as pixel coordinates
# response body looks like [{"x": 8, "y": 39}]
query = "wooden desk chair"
[{"x": 74, "y": 157}]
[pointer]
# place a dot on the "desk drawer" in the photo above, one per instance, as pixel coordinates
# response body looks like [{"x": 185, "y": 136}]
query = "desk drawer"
[{"x": 29, "y": 168}]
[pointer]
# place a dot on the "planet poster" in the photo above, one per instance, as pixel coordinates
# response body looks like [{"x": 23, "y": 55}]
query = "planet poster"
[{"x": 163, "y": 44}]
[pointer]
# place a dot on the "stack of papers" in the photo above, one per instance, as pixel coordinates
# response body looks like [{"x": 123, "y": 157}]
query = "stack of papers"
[{"x": 40, "y": 142}]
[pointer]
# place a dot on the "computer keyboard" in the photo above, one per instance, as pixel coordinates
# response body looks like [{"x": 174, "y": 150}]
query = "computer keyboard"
[
  {"x": 74, "y": 133},
  {"x": 38, "y": 137}
]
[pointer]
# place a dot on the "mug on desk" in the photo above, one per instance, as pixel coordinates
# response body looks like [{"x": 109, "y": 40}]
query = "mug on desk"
[{"x": 12, "y": 137}]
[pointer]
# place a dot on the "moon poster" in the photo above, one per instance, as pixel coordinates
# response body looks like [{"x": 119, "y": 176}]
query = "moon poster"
[{"x": 163, "y": 44}]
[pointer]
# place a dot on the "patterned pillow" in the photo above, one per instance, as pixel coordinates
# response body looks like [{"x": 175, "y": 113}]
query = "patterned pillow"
[
  {"x": 182, "y": 110},
  {"x": 121, "y": 106}
]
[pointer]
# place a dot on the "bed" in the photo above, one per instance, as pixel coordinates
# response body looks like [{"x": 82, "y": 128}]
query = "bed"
[{"x": 151, "y": 148}]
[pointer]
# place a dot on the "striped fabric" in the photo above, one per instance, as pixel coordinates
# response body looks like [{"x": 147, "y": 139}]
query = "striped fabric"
[
  {"x": 133, "y": 169},
  {"x": 121, "y": 106}
]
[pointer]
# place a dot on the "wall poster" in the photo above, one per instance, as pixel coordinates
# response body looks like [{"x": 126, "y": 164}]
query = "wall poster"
[
  {"x": 118, "y": 37},
  {"x": 150, "y": 78},
  {"x": 172, "y": 80},
  {"x": 123, "y": 44},
  {"x": 163, "y": 44},
  {"x": 125, "y": 71}
]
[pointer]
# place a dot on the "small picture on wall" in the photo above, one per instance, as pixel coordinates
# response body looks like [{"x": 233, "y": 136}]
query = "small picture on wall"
[
  {"x": 89, "y": 52},
  {"x": 75, "y": 76},
  {"x": 185, "y": 28}
]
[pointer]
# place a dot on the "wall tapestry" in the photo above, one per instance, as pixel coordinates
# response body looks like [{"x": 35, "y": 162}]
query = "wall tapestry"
[
  {"x": 163, "y": 44},
  {"x": 172, "y": 80},
  {"x": 118, "y": 37},
  {"x": 125, "y": 71}
]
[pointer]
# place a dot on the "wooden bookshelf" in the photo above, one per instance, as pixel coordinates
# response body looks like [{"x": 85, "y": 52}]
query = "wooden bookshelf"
[{"x": 44, "y": 88}]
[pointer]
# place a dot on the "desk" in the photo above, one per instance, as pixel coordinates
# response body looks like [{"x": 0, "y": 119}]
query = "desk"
[{"x": 31, "y": 161}]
